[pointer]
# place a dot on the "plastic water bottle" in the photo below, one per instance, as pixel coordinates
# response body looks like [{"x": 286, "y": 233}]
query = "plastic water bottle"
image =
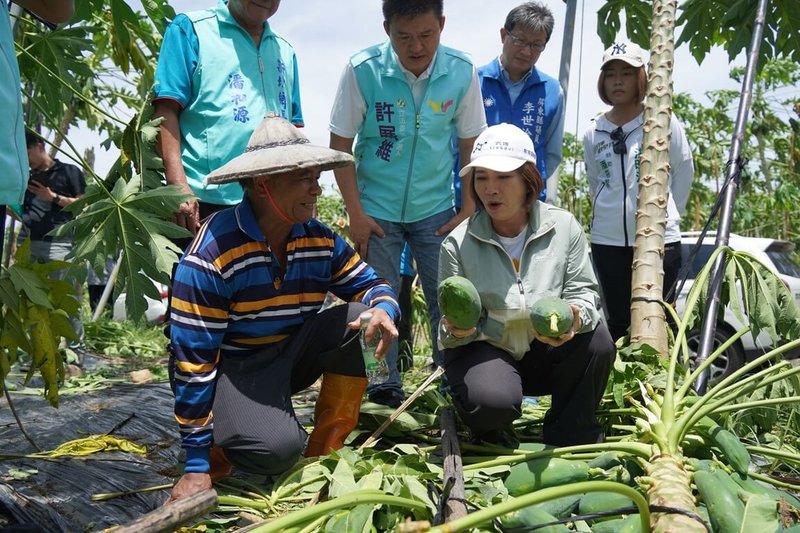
[{"x": 377, "y": 371}]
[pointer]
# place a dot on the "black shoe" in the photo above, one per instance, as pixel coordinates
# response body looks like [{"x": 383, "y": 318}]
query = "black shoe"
[{"x": 389, "y": 397}]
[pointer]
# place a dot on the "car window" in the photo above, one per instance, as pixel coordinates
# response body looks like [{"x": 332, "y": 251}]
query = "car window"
[
  {"x": 699, "y": 260},
  {"x": 784, "y": 263}
]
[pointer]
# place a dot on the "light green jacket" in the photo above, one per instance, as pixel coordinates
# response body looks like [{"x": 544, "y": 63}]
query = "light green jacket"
[{"x": 555, "y": 262}]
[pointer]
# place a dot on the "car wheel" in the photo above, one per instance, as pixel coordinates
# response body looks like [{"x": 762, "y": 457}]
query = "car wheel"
[{"x": 728, "y": 361}]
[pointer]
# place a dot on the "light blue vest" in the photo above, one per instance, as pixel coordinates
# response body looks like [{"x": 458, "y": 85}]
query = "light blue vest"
[
  {"x": 13, "y": 153},
  {"x": 230, "y": 97},
  {"x": 404, "y": 159}
]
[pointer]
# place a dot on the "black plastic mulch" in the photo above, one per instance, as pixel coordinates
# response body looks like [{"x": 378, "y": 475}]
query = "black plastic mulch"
[{"x": 56, "y": 496}]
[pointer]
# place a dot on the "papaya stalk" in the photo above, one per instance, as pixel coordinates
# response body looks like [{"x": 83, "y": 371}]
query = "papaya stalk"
[
  {"x": 778, "y": 454},
  {"x": 474, "y": 520},
  {"x": 634, "y": 448},
  {"x": 700, "y": 407},
  {"x": 343, "y": 502}
]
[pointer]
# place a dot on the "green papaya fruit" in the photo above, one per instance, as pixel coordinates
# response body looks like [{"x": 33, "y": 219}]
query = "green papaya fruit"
[
  {"x": 551, "y": 317},
  {"x": 460, "y": 302}
]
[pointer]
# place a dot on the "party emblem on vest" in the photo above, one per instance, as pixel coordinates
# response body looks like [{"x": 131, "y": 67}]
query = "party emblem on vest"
[{"x": 440, "y": 107}]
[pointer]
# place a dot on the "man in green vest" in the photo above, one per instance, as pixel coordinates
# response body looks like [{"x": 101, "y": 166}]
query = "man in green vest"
[
  {"x": 401, "y": 102},
  {"x": 220, "y": 71}
]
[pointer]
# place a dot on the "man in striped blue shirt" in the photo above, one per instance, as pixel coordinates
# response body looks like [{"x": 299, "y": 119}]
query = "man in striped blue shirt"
[{"x": 246, "y": 327}]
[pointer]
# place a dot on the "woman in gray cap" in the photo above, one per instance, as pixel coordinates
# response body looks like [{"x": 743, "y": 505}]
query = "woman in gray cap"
[
  {"x": 612, "y": 146},
  {"x": 246, "y": 327}
]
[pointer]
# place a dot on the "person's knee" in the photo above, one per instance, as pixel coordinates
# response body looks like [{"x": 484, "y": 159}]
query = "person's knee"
[
  {"x": 490, "y": 408},
  {"x": 276, "y": 459},
  {"x": 602, "y": 345}
]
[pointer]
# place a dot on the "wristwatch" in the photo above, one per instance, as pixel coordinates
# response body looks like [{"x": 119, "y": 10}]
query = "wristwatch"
[{"x": 57, "y": 199}]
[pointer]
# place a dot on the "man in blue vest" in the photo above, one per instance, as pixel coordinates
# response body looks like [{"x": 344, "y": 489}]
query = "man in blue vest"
[
  {"x": 220, "y": 71},
  {"x": 516, "y": 92},
  {"x": 403, "y": 100}
]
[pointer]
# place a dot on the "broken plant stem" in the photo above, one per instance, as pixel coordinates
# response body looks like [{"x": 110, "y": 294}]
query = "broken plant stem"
[
  {"x": 19, "y": 422},
  {"x": 111, "y": 495}
]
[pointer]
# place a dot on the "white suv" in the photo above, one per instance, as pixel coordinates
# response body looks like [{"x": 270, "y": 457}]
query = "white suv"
[
  {"x": 778, "y": 256},
  {"x": 156, "y": 311}
]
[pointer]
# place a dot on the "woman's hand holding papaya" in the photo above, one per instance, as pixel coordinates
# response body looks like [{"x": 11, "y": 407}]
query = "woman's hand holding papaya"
[
  {"x": 458, "y": 332},
  {"x": 555, "y": 342}
]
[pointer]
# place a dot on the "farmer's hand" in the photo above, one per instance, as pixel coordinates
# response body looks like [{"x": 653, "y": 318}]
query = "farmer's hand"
[
  {"x": 362, "y": 226},
  {"x": 188, "y": 215},
  {"x": 555, "y": 342},
  {"x": 189, "y": 484},
  {"x": 381, "y": 324}
]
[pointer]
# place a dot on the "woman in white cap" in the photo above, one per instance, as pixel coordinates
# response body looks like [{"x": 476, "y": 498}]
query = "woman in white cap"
[
  {"x": 612, "y": 146},
  {"x": 246, "y": 326},
  {"x": 517, "y": 250}
]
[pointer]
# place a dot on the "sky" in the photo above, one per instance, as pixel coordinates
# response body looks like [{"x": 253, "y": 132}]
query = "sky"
[{"x": 325, "y": 33}]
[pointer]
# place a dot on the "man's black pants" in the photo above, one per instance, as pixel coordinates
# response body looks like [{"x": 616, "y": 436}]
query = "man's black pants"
[{"x": 254, "y": 421}]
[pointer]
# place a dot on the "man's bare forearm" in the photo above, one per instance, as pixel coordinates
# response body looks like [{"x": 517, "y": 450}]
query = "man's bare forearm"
[
  {"x": 346, "y": 176},
  {"x": 169, "y": 142},
  {"x": 465, "y": 152}
]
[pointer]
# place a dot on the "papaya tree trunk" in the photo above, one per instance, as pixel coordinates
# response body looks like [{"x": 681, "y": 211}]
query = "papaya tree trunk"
[
  {"x": 647, "y": 316},
  {"x": 670, "y": 486}
]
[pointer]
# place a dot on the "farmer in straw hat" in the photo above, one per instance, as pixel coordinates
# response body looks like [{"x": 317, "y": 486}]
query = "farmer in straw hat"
[{"x": 246, "y": 331}]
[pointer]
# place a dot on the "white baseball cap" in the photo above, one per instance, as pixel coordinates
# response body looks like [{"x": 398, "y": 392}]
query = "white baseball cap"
[
  {"x": 501, "y": 148},
  {"x": 630, "y": 53}
]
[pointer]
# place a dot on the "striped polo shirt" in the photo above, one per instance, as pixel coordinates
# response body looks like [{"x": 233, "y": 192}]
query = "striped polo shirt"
[{"x": 231, "y": 298}]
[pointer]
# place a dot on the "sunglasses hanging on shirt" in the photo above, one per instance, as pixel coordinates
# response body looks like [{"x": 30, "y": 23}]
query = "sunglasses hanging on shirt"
[{"x": 618, "y": 137}]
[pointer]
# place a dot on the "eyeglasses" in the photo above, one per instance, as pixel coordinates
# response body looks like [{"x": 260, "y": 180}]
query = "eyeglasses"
[
  {"x": 522, "y": 43},
  {"x": 618, "y": 136}
]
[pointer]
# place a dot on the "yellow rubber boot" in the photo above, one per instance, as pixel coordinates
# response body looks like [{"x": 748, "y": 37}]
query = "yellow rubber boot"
[{"x": 335, "y": 413}]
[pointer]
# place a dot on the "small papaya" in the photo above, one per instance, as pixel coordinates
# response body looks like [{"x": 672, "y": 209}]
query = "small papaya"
[
  {"x": 533, "y": 517},
  {"x": 551, "y": 317},
  {"x": 595, "y": 502},
  {"x": 729, "y": 444},
  {"x": 725, "y": 508},
  {"x": 561, "y": 507},
  {"x": 629, "y": 524},
  {"x": 460, "y": 302},
  {"x": 544, "y": 472}
]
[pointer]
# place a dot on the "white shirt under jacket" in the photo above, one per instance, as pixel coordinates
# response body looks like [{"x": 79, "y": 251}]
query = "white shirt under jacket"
[{"x": 614, "y": 180}]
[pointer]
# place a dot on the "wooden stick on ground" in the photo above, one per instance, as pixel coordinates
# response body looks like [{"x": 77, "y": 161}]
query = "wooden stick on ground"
[
  {"x": 167, "y": 517},
  {"x": 403, "y": 406},
  {"x": 456, "y": 508}
]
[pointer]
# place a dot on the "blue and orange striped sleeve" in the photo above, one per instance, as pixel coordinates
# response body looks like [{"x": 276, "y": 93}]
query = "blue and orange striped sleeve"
[
  {"x": 198, "y": 321},
  {"x": 354, "y": 280}
]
